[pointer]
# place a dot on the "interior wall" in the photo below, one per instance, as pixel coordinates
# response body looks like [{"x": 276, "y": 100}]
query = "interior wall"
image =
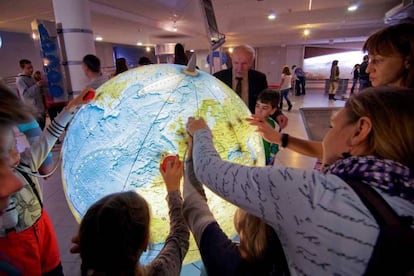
[
  {"x": 270, "y": 60},
  {"x": 17, "y": 46}
]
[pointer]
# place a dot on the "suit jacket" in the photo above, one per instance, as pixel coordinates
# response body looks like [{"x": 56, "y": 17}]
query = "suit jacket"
[{"x": 257, "y": 82}]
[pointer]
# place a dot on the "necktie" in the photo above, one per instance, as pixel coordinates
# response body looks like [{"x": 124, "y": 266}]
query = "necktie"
[{"x": 239, "y": 86}]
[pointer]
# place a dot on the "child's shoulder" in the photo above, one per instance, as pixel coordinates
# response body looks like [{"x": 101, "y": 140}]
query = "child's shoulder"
[{"x": 271, "y": 122}]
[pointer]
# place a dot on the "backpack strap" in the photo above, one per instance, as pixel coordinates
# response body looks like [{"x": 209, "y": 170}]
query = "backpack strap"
[
  {"x": 379, "y": 208},
  {"x": 393, "y": 253},
  {"x": 32, "y": 184}
]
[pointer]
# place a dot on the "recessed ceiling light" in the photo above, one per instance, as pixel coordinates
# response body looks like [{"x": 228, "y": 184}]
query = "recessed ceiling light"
[
  {"x": 306, "y": 32},
  {"x": 139, "y": 43},
  {"x": 271, "y": 16},
  {"x": 192, "y": 51},
  {"x": 352, "y": 7},
  {"x": 99, "y": 38}
]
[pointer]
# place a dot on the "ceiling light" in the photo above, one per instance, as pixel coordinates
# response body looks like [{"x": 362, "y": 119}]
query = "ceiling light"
[
  {"x": 231, "y": 50},
  {"x": 352, "y": 7},
  {"x": 99, "y": 38},
  {"x": 192, "y": 51},
  {"x": 139, "y": 43},
  {"x": 148, "y": 49},
  {"x": 306, "y": 32},
  {"x": 271, "y": 16}
]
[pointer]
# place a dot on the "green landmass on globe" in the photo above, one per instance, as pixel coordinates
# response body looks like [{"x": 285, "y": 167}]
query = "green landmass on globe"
[{"x": 116, "y": 143}]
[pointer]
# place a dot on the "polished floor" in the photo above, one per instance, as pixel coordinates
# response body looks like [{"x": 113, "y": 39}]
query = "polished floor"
[{"x": 66, "y": 226}]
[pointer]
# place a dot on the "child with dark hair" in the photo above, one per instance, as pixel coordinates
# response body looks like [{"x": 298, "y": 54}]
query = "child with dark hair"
[
  {"x": 266, "y": 105},
  {"x": 91, "y": 66},
  {"x": 180, "y": 56},
  {"x": 121, "y": 66},
  {"x": 115, "y": 231}
]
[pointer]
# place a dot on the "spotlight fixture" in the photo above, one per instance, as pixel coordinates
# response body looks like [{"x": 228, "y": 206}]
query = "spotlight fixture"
[
  {"x": 174, "y": 21},
  {"x": 271, "y": 16},
  {"x": 306, "y": 32},
  {"x": 148, "y": 49},
  {"x": 139, "y": 43},
  {"x": 352, "y": 7},
  {"x": 98, "y": 38}
]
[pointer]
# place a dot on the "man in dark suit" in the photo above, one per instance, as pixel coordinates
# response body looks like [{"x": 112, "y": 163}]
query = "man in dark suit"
[{"x": 246, "y": 82}]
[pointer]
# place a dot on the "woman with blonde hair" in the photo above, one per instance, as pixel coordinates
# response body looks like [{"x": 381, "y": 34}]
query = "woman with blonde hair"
[
  {"x": 285, "y": 85},
  {"x": 259, "y": 251}
]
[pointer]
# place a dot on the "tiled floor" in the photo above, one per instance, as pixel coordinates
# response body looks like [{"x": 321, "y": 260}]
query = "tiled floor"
[{"x": 66, "y": 226}]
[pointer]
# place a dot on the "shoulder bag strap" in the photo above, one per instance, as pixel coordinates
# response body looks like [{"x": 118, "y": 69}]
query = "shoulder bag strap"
[{"x": 379, "y": 208}]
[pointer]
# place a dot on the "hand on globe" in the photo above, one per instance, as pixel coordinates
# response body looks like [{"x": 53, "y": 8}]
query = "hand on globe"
[
  {"x": 166, "y": 160},
  {"x": 282, "y": 120},
  {"x": 265, "y": 130},
  {"x": 172, "y": 174},
  {"x": 87, "y": 95},
  {"x": 194, "y": 124}
]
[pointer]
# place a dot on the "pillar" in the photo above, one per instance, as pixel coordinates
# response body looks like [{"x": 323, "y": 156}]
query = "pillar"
[{"x": 74, "y": 27}]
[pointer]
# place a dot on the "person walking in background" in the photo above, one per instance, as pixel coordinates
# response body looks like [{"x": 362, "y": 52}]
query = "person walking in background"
[
  {"x": 30, "y": 90},
  {"x": 355, "y": 79},
  {"x": 333, "y": 80},
  {"x": 300, "y": 81},
  {"x": 120, "y": 66},
  {"x": 180, "y": 57},
  {"x": 91, "y": 66},
  {"x": 285, "y": 85},
  {"x": 364, "y": 81},
  {"x": 246, "y": 82}
]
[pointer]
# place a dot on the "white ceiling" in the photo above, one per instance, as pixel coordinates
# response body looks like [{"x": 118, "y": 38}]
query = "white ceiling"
[{"x": 242, "y": 21}]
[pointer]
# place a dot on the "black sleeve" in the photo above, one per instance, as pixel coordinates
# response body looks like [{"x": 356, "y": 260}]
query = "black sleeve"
[{"x": 220, "y": 255}]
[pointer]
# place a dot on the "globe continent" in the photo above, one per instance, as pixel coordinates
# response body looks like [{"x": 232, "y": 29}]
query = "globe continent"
[{"x": 116, "y": 143}]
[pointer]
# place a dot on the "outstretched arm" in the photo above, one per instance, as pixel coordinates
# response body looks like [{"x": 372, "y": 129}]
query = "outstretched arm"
[
  {"x": 41, "y": 148},
  {"x": 305, "y": 147},
  {"x": 36, "y": 154},
  {"x": 171, "y": 256},
  {"x": 195, "y": 209}
]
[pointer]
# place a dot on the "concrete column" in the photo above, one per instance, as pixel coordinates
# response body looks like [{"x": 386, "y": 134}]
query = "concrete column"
[{"x": 76, "y": 39}]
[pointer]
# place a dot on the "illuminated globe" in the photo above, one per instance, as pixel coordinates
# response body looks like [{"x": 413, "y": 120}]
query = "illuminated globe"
[{"x": 116, "y": 143}]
